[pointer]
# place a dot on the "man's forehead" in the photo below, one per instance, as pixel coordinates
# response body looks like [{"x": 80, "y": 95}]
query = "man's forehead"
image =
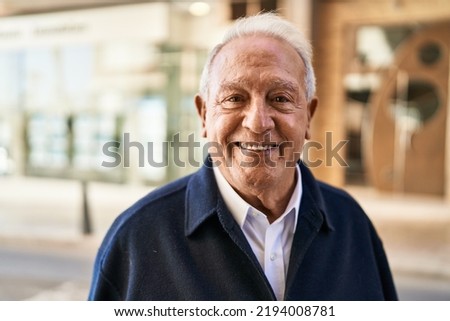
[
  {"x": 256, "y": 51},
  {"x": 272, "y": 80},
  {"x": 252, "y": 46}
]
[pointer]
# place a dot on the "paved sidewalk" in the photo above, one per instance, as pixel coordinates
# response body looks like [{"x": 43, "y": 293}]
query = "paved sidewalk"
[
  {"x": 52, "y": 209},
  {"x": 415, "y": 230}
]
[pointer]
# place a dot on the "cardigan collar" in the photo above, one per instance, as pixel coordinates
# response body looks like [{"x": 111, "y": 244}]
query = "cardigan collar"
[{"x": 203, "y": 199}]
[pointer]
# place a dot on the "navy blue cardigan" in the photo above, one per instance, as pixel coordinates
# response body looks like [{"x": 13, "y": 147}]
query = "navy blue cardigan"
[{"x": 180, "y": 242}]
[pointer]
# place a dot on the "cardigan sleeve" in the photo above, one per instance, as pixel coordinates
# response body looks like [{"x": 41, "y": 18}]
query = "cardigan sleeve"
[
  {"x": 108, "y": 268},
  {"x": 386, "y": 278},
  {"x": 102, "y": 288}
]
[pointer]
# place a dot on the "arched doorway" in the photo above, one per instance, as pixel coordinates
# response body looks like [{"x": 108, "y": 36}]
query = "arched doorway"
[{"x": 404, "y": 144}]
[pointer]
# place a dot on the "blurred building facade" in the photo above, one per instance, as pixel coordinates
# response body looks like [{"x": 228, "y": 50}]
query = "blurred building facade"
[
  {"x": 86, "y": 86},
  {"x": 383, "y": 81},
  {"x": 106, "y": 92}
]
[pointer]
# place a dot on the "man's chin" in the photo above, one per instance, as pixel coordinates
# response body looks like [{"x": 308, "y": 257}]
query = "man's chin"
[
  {"x": 261, "y": 168},
  {"x": 267, "y": 162}
]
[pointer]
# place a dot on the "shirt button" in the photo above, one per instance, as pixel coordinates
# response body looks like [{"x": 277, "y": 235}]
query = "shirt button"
[{"x": 273, "y": 257}]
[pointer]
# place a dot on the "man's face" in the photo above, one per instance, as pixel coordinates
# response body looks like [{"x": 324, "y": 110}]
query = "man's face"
[{"x": 256, "y": 116}]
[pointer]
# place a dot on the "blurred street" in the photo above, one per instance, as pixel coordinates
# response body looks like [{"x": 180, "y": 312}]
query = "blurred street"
[
  {"x": 45, "y": 256},
  {"x": 52, "y": 271}
]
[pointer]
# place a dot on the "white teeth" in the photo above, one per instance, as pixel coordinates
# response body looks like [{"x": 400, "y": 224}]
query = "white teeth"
[{"x": 255, "y": 147}]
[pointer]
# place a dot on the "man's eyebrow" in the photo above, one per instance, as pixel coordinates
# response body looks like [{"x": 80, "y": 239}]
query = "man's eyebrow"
[
  {"x": 235, "y": 84},
  {"x": 285, "y": 84},
  {"x": 244, "y": 83}
]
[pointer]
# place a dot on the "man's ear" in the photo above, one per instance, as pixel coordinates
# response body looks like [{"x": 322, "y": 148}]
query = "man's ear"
[
  {"x": 201, "y": 110},
  {"x": 312, "y": 105}
]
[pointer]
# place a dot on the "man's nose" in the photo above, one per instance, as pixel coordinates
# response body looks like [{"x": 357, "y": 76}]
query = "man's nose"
[{"x": 258, "y": 117}]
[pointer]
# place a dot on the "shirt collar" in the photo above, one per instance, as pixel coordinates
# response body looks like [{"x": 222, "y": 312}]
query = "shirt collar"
[
  {"x": 203, "y": 199},
  {"x": 239, "y": 208}
]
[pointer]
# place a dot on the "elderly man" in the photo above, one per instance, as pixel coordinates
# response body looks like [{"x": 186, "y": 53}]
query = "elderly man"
[{"x": 252, "y": 223}]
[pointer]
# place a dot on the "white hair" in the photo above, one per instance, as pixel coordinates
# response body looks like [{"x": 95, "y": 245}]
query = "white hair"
[{"x": 271, "y": 25}]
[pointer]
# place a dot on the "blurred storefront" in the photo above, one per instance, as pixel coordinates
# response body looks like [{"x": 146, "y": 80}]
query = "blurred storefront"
[
  {"x": 73, "y": 81},
  {"x": 104, "y": 93}
]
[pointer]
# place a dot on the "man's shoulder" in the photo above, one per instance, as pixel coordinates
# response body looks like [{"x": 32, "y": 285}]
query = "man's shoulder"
[
  {"x": 337, "y": 200},
  {"x": 155, "y": 205},
  {"x": 330, "y": 191},
  {"x": 342, "y": 208},
  {"x": 164, "y": 192}
]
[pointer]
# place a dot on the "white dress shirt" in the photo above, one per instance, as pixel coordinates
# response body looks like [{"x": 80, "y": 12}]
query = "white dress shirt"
[{"x": 271, "y": 243}]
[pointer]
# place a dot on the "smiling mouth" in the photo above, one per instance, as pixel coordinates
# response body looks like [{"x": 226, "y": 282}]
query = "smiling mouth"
[{"x": 257, "y": 147}]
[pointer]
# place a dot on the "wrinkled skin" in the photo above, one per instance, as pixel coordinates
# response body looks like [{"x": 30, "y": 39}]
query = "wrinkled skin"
[{"x": 257, "y": 112}]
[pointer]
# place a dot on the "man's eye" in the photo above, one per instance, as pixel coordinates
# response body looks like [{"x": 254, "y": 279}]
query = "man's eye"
[
  {"x": 234, "y": 99},
  {"x": 281, "y": 99}
]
